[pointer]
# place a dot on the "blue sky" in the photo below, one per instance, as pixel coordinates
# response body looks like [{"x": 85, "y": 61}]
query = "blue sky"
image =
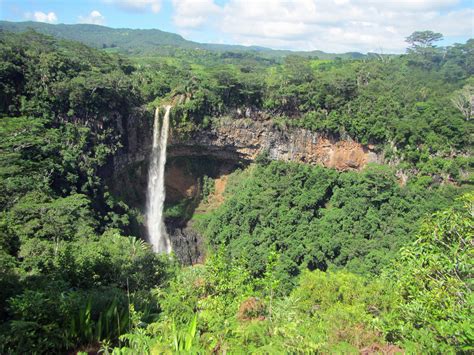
[{"x": 329, "y": 25}]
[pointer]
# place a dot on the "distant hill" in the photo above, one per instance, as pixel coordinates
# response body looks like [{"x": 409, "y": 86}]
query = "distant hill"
[{"x": 147, "y": 42}]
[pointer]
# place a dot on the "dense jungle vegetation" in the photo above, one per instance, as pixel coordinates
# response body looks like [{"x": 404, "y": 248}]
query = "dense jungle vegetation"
[{"x": 299, "y": 258}]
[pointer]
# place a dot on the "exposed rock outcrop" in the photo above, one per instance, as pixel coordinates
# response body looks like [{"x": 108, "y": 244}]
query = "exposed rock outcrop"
[
  {"x": 245, "y": 139},
  {"x": 137, "y": 138},
  {"x": 187, "y": 245}
]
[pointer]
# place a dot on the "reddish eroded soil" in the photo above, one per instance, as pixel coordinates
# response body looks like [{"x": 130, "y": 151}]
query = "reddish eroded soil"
[
  {"x": 251, "y": 309},
  {"x": 386, "y": 349},
  {"x": 179, "y": 184}
]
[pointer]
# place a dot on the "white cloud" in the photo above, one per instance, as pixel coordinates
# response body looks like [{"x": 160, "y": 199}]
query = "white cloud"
[
  {"x": 193, "y": 13},
  {"x": 330, "y": 25},
  {"x": 137, "y": 5},
  {"x": 415, "y": 5},
  {"x": 94, "y": 18},
  {"x": 40, "y": 16}
]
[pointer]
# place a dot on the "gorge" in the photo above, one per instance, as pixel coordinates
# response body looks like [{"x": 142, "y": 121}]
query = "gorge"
[
  {"x": 232, "y": 141},
  {"x": 282, "y": 205}
]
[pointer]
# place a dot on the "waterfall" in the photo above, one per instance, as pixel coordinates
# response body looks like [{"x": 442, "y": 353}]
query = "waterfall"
[{"x": 157, "y": 235}]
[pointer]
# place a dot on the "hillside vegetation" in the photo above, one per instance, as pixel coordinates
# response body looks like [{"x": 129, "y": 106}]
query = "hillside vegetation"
[
  {"x": 299, "y": 258},
  {"x": 150, "y": 42}
]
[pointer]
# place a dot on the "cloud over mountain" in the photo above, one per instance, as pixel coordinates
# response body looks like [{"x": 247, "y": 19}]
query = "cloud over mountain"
[
  {"x": 94, "y": 18},
  {"x": 40, "y": 16},
  {"x": 331, "y": 25}
]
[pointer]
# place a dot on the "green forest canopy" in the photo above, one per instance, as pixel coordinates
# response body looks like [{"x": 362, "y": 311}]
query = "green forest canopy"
[{"x": 300, "y": 258}]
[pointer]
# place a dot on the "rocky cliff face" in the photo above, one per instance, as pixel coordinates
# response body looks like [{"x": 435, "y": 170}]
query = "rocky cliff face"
[
  {"x": 244, "y": 139},
  {"x": 137, "y": 139}
]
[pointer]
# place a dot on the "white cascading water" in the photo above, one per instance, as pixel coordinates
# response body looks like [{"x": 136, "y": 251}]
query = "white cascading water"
[{"x": 157, "y": 235}]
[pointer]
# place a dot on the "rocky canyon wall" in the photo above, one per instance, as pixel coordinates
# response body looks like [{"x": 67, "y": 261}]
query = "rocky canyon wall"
[
  {"x": 244, "y": 139},
  {"x": 235, "y": 138}
]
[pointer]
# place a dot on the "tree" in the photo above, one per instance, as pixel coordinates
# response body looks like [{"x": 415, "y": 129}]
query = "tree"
[
  {"x": 420, "y": 40},
  {"x": 424, "y": 52},
  {"x": 434, "y": 277},
  {"x": 463, "y": 100}
]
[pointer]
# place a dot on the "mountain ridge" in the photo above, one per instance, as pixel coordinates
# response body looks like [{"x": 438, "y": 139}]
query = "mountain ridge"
[{"x": 148, "y": 41}]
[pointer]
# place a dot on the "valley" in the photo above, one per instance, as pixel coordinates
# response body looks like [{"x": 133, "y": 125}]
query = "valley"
[{"x": 239, "y": 200}]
